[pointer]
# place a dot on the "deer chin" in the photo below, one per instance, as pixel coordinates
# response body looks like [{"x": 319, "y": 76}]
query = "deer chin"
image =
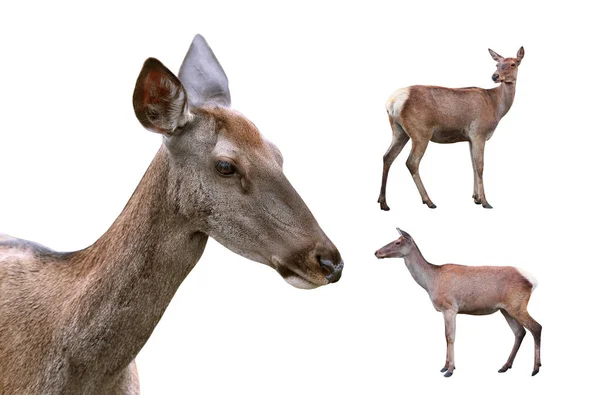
[
  {"x": 295, "y": 278},
  {"x": 300, "y": 283}
]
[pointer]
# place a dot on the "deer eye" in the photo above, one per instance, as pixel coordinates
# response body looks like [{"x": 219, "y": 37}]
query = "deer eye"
[
  {"x": 224, "y": 167},
  {"x": 512, "y": 65}
]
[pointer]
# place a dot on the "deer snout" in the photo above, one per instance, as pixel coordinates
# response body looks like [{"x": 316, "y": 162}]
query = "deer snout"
[
  {"x": 330, "y": 262},
  {"x": 381, "y": 254},
  {"x": 495, "y": 77},
  {"x": 332, "y": 271}
]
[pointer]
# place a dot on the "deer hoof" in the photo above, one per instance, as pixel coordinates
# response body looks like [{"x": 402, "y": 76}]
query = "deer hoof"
[
  {"x": 448, "y": 374},
  {"x": 487, "y": 205},
  {"x": 384, "y": 206},
  {"x": 535, "y": 372},
  {"x": 443, "y": 369},
  {"x": 504, "y": 368},
  {"x": 429, "y": 204}
]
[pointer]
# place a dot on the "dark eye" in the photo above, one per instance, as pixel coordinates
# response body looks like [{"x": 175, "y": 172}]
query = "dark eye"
[
  {"x": 224, "y": 167},
  {"x": 512, "y": 65}
]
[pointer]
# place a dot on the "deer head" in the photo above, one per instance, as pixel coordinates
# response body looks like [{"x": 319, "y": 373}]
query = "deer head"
[
  {"x": 398, "y": 248},
  {"x": 224, "y": 178},
  {"x": 506, "y": 69}
]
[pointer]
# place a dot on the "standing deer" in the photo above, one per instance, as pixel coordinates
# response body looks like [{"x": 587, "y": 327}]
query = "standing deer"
[
  {"x": 72, "y": 323},
  {"x": 476, "y": 290},
  {"x": 445, "y": 115}
]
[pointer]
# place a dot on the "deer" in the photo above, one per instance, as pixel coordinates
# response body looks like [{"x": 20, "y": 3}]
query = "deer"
[
  {"x": 475, "y": 290},
  {"x": 73, "y": 322},
  {"x": 448, "y": 115}
]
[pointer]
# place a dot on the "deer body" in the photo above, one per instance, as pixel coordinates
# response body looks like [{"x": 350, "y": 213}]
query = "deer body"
[
  {"x": 476, "y": 290},
  {"x": 72, "y": 323},
  {"x": 445, "y": 115}
]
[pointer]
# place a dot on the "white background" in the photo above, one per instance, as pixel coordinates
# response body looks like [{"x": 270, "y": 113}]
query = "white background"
[{"x": 314, "y": 78}]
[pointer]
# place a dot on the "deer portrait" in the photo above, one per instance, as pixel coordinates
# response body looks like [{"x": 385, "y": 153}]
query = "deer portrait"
[
  {"x": 73, "y": 322},
  {"x": 445, "y": 115},
  {"x": 476, "y": 290}
]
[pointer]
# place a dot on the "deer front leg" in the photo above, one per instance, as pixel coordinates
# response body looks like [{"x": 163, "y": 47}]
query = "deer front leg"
[
  {"x": 399, "y": 140},
  {"x": 450, "y": 322},
  {"x": 414, "y": 159},
  {"x": 475, "y": 195},
  {"x": 477, "y": 148}
]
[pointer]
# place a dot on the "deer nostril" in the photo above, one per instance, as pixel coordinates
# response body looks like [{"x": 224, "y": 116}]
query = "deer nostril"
[
  {"x": 326, "y": 265},
  {"x": 331, "y": 271}
]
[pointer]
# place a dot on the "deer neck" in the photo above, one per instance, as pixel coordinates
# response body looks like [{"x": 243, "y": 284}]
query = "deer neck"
[
  {"x": 505, "y": 95},
  {"x": 129, "y": 276},
  {"x": 422, "y": 271}
]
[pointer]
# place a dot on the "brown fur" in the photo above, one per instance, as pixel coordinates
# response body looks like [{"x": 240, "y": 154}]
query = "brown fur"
[
  {"x": 237, "y": 127},
  {"x": 477, "y": 290},
  {"x": 72, "y": 323},
  {"x": 444, "y": 115}
]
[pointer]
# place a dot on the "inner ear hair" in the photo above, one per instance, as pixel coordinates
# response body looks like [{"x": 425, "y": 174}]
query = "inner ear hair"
[
  {"x": 497, "y": 57},
  {"x": 159, "y": 99}
]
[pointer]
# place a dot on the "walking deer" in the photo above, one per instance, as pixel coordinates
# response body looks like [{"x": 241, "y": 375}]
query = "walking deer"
[
  {"x": 72, "y": 323},
  {"x": 476, "y": 290},
  {"x": 444, "y": 115}
]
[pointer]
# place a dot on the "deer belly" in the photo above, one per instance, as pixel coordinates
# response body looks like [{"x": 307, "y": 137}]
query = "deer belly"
[
  {"x": 481, "y": 304},
  {"x": 483, "y": 310},
  {"x": 448, "y": 136}
]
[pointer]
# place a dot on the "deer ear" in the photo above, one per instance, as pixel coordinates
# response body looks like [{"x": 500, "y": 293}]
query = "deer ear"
[
  {"x": 202, "y": 75},
  {"x": 159, "y": 99},
  {"x": 520, "y": 54},
  {"x": 495, "y": 56}
]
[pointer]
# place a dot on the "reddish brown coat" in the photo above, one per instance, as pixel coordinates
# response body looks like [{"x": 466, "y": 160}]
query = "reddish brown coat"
[
  {"x": 443, "y": 115},
  {"x": 478, "y": 290}
]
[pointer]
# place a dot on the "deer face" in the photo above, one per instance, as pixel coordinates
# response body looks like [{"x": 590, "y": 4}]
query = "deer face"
[
  {"x": 396, "y": 249},
  {"x": 227, "y": 181},
  {"x": 506, "y": 68}
]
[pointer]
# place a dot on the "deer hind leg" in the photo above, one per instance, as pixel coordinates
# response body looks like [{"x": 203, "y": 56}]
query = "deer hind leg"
[
  {"x": 519, "y": 332},
  {"x": 399, "y": 140},
  {"x": 477, "y": 149},
  {"x": 414, "y": 159},
  {"x": 450, "y": 322},
  {"x": 536, "y": 330}
]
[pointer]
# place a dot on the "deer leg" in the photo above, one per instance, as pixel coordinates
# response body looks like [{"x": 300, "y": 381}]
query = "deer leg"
[
  {"x": 536, "y": 330},
  {"x": 450, "y": 321},
  {"x": 477, "y": 148},
  {"x": 519, "y": 332},
  {"x": 414, "y": 159},
  {"x": 475, "y": 195},
  {"x": 399, "y": 140}
]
